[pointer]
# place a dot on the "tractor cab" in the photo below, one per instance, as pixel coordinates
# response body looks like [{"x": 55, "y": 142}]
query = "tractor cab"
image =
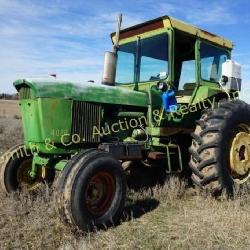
[{"x": 187, "y": 59}]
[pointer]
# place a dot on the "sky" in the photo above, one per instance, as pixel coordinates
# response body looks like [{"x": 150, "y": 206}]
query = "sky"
[{"x": 69, "y": 38}]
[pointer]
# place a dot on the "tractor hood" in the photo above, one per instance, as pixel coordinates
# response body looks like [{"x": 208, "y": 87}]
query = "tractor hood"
[{"x": 89, "y": 92}]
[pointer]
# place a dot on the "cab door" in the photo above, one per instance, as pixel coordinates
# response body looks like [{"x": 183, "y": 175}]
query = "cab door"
[{"x": 153, "y": 67}]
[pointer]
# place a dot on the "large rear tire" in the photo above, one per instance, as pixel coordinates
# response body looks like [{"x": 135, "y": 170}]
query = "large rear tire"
[
  {"x": 91, "y": 191},
  {"x": 220, "y": 150}
]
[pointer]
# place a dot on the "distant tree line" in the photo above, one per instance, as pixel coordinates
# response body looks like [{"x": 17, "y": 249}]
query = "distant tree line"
[{"x": 9, "y": 96}]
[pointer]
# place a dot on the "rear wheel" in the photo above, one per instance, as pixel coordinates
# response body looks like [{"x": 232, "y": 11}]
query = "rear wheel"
[
  {"x": 220, "y": 150},
  {"x": 91, "y": 190}
]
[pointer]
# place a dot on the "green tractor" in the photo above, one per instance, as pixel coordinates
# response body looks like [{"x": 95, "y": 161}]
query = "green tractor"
[{"x": 169, "y": 97}]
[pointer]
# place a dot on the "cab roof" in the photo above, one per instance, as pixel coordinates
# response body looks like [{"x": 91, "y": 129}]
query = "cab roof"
[{"x": 166, "y": 22}]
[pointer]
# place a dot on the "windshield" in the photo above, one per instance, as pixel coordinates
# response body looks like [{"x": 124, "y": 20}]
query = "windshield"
[
  {"x": 144, "y": 60},
  {"x": 212, "y": 59}
]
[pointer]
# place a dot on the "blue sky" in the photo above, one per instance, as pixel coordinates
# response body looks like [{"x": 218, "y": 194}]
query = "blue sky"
[{"x": 69, "y": 38}]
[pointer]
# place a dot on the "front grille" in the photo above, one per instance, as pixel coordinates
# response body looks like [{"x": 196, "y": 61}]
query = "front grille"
[
  {"x": 25, "y": 93},
  {"x": 85, "y": 117}
]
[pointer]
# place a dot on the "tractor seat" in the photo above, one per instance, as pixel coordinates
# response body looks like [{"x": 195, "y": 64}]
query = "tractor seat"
[
  {"x": 187, "y": 90},
  {"x": 189, "y": 86},
  {"x": 184, "y": 95}
]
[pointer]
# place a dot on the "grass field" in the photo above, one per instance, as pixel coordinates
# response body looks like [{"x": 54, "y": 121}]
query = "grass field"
[
  {"x": 9, "y": 108},
  {"x": 171, "y": 216}
]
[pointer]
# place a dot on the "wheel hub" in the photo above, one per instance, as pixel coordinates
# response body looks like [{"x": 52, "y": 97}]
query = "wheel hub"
[
  {"x": 24, "y": 178},
  {"x": 23, "y": 172},
  {"x": 240, "y": 154},
  {"x": 100, "y": 192}
]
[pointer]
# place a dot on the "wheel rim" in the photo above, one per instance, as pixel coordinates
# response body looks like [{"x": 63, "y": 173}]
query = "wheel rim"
[
  {"x": 240, "y": 155},
  {"x": 100, "y": 193},
  {"x": 23, "y": 176}
]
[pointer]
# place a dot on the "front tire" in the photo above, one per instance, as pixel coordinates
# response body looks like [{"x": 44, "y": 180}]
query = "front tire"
[
  {"x": 15, "y": 168},
  {"x": 91, "y": 190},
  {"x": 220, "y": 150}
]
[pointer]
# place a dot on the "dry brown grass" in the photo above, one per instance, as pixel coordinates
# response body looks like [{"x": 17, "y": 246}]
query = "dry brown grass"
[
  {"x": 171, "y": 216},
  {"x": 9, "y": 108},
  {"x": 164, "y": 217},
  {"x": 10, "y": 133}
]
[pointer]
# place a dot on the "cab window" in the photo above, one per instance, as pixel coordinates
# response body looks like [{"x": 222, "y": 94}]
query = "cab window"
[
  {"x": 143, "y": 60},
  {"x": 212, "y": 59},
  {"x": 154, "y": 58},
  {"x": 126, "y": 63}
]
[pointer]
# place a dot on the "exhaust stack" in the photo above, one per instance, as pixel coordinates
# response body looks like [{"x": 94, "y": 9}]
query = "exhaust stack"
[{"x": 110, "y": 58}]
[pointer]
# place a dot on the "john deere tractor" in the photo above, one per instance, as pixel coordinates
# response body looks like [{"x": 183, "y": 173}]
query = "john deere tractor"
[{"x": 168, "y": 98}]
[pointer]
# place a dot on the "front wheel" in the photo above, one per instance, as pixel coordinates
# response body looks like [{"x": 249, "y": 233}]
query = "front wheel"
[
  {"x": 220, "y": 150},
  {"x": 91, "y": 190},
  {"x": 15, "y": 170}
]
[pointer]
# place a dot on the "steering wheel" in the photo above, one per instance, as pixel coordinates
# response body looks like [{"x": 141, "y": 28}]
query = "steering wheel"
[{"x": 164, "y": 86}]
